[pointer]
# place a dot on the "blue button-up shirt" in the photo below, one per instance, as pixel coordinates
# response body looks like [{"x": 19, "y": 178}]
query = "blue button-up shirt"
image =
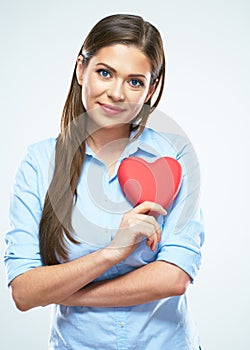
[{"x": 160, "y": 325}]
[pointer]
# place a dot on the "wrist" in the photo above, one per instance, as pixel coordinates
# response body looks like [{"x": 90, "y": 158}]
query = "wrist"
[{"x": 113, "y": 255}]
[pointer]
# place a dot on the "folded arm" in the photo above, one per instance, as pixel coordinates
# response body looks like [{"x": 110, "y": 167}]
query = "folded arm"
[
  {"x": 51, "y": 284},
  {"x": 151, "y": 282}
]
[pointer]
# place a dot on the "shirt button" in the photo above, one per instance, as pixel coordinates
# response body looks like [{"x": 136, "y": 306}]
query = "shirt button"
[{"x": 121, "y": 324}]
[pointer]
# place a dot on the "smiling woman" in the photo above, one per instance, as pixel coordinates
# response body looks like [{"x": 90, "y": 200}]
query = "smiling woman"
[{"x": 116, "y": 276}]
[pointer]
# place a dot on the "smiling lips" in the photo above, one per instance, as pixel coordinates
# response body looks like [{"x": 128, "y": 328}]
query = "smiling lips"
[{"x": 111, "y": 109}]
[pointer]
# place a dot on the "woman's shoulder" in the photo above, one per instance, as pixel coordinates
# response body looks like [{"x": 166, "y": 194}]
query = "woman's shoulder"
[
  {"x": 43, "y": 145},
  {"x": 42, "y": 148},
  {"x": 41, "y": 153}
]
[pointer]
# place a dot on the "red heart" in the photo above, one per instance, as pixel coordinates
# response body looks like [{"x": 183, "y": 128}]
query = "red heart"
[{"x": 157, "y": 181}]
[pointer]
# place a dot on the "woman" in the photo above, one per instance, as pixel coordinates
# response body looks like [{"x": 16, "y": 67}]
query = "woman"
[{"x": 116, "y": 276}]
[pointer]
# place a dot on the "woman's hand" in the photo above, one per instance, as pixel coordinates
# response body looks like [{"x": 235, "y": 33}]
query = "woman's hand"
[{"x": 136, "y": 226}]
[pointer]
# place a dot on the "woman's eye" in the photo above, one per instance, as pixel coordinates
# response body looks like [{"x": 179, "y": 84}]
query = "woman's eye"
[
  {"x": 136, "y": 83},
  {"x": 104, "y": 73}
]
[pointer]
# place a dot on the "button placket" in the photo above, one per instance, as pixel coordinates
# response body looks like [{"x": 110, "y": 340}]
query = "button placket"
[{"x": 122, "y": 336}]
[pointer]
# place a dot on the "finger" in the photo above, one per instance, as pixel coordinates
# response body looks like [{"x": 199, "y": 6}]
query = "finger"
[
  {"x": 153, "y": 246},
  {"x": 144, "y": 228},
  {"x": 152, "y": 242},
  {"x": 149, "y": 206},
  {"x": 144, "y": 231},
  {"x": 156, "y": 238},
  {"x": 151, "y": 221}
]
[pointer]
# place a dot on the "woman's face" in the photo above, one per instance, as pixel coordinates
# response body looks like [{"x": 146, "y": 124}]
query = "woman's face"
[{"x": 115, "y": 84}]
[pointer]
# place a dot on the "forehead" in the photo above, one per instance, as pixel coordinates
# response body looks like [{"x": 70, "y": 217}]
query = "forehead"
[{"x": 123, "y": 57}]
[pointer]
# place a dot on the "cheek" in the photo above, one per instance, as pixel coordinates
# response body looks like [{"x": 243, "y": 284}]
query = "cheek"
[
  {"x": 137, "y": 97},
  {"x": 91, "y": 88},
  {"x": 136, "y": 102}
]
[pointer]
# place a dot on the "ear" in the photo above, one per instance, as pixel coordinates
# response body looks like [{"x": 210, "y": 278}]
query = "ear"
[
  {"x": 79, "y": 69},
  {"x": 151, "y": 91}
]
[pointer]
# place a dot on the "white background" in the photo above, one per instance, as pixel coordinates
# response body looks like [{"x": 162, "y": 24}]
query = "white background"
[{"x": 207, "y": 93}]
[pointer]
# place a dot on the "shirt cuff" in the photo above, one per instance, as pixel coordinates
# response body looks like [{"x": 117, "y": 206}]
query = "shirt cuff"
[
  {"x": 16, "y": 267},
  {"x": 186, "y": 259}
]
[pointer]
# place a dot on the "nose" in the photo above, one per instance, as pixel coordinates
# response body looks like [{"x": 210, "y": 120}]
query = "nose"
[{"x": 116, "y": 91}]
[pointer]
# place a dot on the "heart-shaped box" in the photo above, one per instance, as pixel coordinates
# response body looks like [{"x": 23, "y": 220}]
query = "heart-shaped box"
[{"x": 157, "y": 181}]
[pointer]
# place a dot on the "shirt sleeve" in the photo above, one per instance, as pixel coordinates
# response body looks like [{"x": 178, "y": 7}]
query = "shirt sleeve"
[
  {"x": 183, "y": 248},
  {"x": 22, "y": 241},
  {"x": 183, "y": 229}
]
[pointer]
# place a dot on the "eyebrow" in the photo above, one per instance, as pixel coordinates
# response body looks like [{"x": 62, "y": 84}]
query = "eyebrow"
[{"x": 114, "y": 71}]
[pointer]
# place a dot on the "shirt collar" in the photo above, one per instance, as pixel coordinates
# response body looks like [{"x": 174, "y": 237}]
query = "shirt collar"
[{"x": 141, "y": 143}]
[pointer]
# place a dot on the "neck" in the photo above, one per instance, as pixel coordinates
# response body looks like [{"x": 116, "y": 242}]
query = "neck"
[{"x": 116, "y": 137}]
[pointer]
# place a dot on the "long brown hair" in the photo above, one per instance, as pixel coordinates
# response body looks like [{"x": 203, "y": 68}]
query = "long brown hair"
[{"x": 55, "y": 224}]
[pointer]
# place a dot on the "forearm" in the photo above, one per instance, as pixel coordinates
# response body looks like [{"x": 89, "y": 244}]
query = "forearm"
[
  {"x": 52, "y": 284},
  {"x": 151, "y": 282}
]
